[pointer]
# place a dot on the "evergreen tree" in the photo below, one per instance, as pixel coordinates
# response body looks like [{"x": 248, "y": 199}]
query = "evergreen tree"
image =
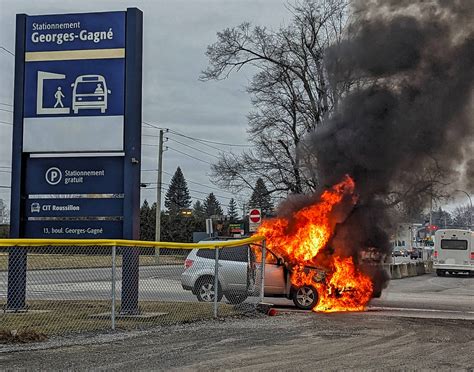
[
  {"x": 177, "y": 197},
  {"x": 232, "y": 211},
  {"x": 261, "y": 198},
  {"x": 212, "y": 206},
  {"x": 147, "y": 222},
  {"x": 198, "y": 211}
]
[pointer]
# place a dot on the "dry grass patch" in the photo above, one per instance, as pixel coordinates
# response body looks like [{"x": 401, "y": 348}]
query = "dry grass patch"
[
  {"x": 22, "y": 337},
  {"x": 61, "y": 317}
]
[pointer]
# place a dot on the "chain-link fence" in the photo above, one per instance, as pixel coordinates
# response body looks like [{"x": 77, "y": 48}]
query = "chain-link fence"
[{"x": 78, "y": 288}]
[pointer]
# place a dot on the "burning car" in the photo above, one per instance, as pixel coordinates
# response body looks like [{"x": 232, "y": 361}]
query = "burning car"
[{"x": 239, "y": 276}]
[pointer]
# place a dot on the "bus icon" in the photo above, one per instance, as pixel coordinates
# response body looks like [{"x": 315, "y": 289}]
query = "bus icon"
[
  {"x": 35, "y": 207},
  {"x": 89, "y": 92}
]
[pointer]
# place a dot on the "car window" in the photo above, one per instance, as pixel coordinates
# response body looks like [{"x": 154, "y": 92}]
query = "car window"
[
  {"x": 270, "y": 258},
  {"x": 454, "y": 244},
  {"x": 206, "y": 253},
  {"x": 239, "y": 253}
]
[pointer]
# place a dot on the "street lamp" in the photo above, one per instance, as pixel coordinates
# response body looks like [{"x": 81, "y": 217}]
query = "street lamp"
[{"x": 470, "y": 208}]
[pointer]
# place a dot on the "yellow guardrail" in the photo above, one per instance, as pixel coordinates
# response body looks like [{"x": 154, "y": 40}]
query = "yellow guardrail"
[{"x": 211, "y": 244}]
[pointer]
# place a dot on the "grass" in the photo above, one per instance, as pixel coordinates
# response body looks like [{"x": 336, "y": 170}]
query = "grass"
[
  {"x": 37, "y": 261},
  {"x": 62, "y": 317}
]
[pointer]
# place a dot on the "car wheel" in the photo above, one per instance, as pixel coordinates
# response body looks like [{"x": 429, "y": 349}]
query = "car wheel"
[
  {"x": 441, "y": 272},
  {"x": 236, "y": 298},
  {"x": 205, "y": 290},
  {"x": 305, "y": 297}
]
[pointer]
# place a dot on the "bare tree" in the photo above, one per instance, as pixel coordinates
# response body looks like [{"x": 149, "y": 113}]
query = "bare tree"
[
  {"x": 290, "y": 93},
  {"x": 462, "y": 216}
]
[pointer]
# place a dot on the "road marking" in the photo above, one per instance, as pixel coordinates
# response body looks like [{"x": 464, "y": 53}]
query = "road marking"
[
  {"x": 383, "y": 308},
  {"x": 380, "y": 308}
]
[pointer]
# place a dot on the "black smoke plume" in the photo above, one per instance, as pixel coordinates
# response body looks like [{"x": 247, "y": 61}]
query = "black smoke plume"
[{"x": 413, "y": 65}]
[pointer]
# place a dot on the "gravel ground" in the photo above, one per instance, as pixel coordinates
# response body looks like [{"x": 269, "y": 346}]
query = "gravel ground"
[{"x": 296, "y": 341}]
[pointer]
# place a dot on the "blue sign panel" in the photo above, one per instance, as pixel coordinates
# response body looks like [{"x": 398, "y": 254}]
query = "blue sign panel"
[
  {"x": 75, "y": 69},
  {"x": 78, "y": 92},
  {"x": 75, "y": 31},
  {"x": 74, "y": 229},
  {"x": 85, "y": 175},
  {"x": 73, "y": 207},
  {"x": 75, "y": 88}
]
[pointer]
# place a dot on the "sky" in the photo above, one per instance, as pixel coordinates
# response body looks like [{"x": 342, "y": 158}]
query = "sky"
[{"x": 176, "y": 34}]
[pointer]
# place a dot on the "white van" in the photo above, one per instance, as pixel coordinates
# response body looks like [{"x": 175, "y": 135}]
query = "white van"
[{"x": 454, "y": 251}]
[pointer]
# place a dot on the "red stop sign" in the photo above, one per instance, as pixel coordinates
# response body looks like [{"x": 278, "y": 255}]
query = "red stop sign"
[{"x": 255, "y": 216}]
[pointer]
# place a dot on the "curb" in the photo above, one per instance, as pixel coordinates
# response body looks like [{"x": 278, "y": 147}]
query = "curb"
[
  {"x": 406, "y": 270},
  {"x": 403, "y": 270}
]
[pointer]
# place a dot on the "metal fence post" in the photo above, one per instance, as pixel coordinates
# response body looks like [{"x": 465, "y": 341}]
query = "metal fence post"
[
  {"x": 262, "y": 270},
  {"x": 114, "y": 271},
  {"x": 216, "y": 281}
]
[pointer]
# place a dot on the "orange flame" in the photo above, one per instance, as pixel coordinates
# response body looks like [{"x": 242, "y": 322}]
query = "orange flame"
[{"x": 299, "y": 242}]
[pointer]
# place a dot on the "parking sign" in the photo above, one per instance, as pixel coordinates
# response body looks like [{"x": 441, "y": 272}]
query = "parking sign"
[
  {"x": 74, "y": 70},
  {"x": 76, "y": 150}
]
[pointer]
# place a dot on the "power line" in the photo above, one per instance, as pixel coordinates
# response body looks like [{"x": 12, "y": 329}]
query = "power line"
[
  {"x": 208, "y": 141},
  {"x": 194, "y": 197},
  {"x": 150, "y": 135},
  {"x": 8, "y": 51},
  {"x": 201, "y": 143},
  {"x": 194, "y": 148},
  {"x": 197, "y": 139},
  {"x": 4, "y": 171},
  {"x": 5, "y": 122},
  {"x": 190, "y": 181},
  {"x": 5, "y": 187},
  {"x": 154, "y": 126},
  {"x": 196, "y": 191},
  {"x": 201, "y": 184},
  {"x": 10, "y": 111},
  {"x": 6, "y": 104},
  {"x": 193, "y": 157}
]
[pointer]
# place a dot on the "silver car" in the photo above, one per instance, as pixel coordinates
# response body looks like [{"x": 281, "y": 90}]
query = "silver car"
[{"x": 239, "y": 277}]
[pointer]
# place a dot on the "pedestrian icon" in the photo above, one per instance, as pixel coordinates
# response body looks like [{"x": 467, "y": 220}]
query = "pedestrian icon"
[
  {"x": 59, "y": 95},
  {"x": 40, "y": 109}
]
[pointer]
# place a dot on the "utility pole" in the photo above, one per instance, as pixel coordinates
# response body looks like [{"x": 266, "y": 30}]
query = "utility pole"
[{"x": 158, "y": 196}]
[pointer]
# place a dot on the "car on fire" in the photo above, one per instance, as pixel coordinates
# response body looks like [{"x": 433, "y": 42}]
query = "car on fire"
[{"x": 239, "y": 277}]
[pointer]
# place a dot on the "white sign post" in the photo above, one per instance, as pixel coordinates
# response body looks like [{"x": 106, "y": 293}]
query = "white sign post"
[
  {"x": 255, "y": 218},
  {"x": 209, "y": 228}
]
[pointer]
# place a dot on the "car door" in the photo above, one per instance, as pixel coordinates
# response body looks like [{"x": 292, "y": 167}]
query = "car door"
[
  {"x": 275, "y": 276},
  {"x": 233, "y": 268}
]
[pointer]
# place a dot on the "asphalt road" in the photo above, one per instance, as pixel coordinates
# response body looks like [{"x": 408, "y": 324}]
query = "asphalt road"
[
  {"x": 424, "y": 322},
  {"x": 156, "y": 282},
  {"x": 286, "y": 342},
  {"x": 438, "y": 296}
]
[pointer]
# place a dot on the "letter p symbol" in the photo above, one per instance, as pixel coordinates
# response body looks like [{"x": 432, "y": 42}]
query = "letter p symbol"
[{"x": 53, "y": 176}]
